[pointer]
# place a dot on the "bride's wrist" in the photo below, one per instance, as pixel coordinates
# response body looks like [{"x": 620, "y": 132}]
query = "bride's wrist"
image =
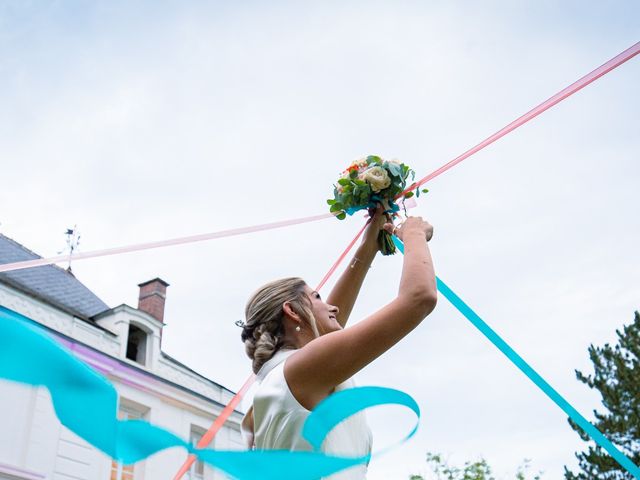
[{"x": 367, "y": 252}]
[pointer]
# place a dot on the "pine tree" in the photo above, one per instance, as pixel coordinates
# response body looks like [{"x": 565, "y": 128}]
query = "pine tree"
[{"x": 617, "y": 378}]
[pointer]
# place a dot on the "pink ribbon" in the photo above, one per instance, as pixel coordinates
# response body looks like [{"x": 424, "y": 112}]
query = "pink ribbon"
[
  {"x": 161, "y": 243},
  {"x": 558, "y": 97},
  {"x": 605, "y": 68},
  {"x": 208, "y": 437}
]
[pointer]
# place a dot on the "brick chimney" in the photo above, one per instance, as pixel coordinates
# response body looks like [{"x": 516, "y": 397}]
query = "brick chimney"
[{"x": 152, "y": 296}]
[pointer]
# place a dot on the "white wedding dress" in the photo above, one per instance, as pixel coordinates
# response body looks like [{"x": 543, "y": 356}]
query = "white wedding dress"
[{"x": 278, "y": 419}]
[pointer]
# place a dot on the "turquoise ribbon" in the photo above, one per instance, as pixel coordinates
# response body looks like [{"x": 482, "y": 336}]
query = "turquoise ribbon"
[
  {"x": 375, "y": 200},
  {"x": 525, "y": 368},
  {"x": 348, "y": 402},
  {"x": 86, "y": 403}
]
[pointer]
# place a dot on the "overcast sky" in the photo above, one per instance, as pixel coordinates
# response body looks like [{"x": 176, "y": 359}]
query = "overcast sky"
[{"x": 149, "y": 120}]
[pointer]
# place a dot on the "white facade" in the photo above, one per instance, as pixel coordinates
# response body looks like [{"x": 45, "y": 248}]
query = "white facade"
[{"x": 35, "y": 446}]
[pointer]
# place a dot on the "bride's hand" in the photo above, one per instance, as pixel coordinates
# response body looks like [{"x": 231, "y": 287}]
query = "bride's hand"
[
  {"x": 410, "y": 226},
  {"x": 378, "y": 219}
]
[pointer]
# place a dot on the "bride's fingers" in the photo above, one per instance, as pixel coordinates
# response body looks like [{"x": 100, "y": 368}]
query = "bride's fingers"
[
  {"x": 389, "y": 228},
  {"x": 375, "y": 213}
]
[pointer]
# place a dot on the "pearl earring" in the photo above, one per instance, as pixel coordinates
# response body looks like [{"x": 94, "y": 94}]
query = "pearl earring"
[{"x": 298, "y": 328}]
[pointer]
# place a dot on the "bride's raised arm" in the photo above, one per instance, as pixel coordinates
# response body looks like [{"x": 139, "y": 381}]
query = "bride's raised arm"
[
  {"x": 346, "y": 290},
  {"x": 323, "y": 363}
]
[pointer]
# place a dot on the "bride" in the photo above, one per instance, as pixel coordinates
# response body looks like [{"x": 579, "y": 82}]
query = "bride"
[{"x": 302, "y": 352}]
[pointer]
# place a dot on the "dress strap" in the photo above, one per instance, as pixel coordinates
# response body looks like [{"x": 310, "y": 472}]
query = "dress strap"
[{"x": 279, "y": 357}]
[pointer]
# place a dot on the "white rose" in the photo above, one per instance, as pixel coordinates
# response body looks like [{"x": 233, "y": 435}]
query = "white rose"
[{"x": 377, "y": 177}]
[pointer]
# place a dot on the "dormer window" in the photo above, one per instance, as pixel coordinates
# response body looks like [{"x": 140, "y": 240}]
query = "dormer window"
[{"x": 137, "y": 345}]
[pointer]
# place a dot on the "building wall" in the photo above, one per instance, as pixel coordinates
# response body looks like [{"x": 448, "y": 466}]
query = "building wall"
[{"x": 35, "y": 446}]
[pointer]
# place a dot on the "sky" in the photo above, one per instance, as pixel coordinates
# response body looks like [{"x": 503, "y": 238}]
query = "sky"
[{"x": 141, "y": 121}]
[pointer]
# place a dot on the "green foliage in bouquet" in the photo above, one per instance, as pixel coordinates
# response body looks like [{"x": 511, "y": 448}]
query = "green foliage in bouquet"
[{"x": 365, "y": 184}]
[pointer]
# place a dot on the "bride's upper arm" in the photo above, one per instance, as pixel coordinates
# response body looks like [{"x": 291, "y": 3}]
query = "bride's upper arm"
[{"x": 325, "y": 362}]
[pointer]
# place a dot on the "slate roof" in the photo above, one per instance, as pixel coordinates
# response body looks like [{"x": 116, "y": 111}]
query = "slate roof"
[
  {"x": 48, "y": 283},
  {"x": 61, "y": 289}
]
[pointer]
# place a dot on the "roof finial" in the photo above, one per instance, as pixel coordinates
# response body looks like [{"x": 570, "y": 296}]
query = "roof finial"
[{"x": 73, "y": 242}]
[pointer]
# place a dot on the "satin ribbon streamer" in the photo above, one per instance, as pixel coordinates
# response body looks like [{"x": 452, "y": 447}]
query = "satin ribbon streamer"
[
  {"x": 584, "y": 81},
  {"x": 86, "y": 403},
  {"x": 161, "y": 243},
  {"x": 217, "y": 424},
  {"x": 531, "y": 374},
  {"x": 603, "y": 69},
  {"x": 558, "y": 97}
]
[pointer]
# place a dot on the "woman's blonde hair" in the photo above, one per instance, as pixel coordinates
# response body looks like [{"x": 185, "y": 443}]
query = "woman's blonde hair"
[{"x": 263, "y": 330}]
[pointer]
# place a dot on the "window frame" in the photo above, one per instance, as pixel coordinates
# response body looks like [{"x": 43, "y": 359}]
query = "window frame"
[{"x": 128, "y": 410}]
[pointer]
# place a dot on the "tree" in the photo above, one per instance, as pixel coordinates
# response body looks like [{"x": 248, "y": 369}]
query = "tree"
[
  {"x": 617, "y": 378},
  {"x": 478, "y": 470}
]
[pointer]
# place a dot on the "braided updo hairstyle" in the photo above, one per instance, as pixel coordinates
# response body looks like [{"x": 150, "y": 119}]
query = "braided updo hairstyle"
[{"x": 263, "y": 330}]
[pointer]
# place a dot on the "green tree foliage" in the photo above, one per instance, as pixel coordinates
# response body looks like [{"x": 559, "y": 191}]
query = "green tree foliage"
[
  {"x": 478, "y": 470},
  {"x": 617, "y": 378}
]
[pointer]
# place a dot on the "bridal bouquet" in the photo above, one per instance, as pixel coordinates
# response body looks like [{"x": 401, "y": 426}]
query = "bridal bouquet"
[{"x": 365, "y": 184}]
